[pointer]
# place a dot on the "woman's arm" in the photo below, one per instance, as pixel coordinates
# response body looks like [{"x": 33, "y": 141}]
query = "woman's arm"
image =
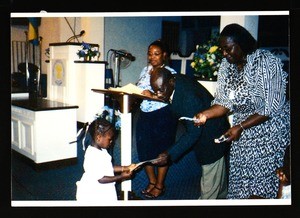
[
  {"x": 253, "y": 120},
  {"x": 235, "y": 132},
  {"x": 212, "y": 112}
]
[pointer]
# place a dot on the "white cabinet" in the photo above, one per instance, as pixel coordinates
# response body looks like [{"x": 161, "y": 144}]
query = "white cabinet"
[
  {"x": 22, "y": 131},
  {"x": 70, "y": 80},
  {"x": 42, "y": 130}
]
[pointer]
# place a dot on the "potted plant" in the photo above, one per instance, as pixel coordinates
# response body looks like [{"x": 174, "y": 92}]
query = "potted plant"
[{"x": 87, "y": 52}]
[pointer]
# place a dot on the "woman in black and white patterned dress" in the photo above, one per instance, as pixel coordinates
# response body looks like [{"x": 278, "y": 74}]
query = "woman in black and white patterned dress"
[{"x": 252, "y": 86}]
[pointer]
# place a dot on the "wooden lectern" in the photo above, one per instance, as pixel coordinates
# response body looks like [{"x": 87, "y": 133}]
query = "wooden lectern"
[{"x": 126, "y": 128}]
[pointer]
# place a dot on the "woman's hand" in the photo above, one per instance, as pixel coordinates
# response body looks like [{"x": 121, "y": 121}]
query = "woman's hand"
[
  {"x": 200, "y": 119},
  {"x": 212, "y": 112},
  {"x": 234, "y": 133}
]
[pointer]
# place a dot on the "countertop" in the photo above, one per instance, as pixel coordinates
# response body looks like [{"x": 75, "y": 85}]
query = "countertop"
[{"x": 40, "y": 104}]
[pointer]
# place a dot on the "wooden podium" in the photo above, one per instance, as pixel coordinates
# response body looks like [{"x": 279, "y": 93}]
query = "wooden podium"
[{"x": 126, "y": 128}]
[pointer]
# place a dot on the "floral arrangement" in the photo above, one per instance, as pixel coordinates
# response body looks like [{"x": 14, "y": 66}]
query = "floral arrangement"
[
  {"x": 87, "y": 51},
  {"x": 207, "y": 59},
  {"x": 109, "y": 115}
]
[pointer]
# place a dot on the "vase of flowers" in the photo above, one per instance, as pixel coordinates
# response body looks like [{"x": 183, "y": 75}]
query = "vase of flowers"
[
  {"x": 87, "y": 52},
  {"x": 87, "y": 58},
  {"x": 207, "y": 59}
]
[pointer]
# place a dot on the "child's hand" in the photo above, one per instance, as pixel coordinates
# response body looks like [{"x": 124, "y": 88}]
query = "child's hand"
[{"x": 126, "y": 175}]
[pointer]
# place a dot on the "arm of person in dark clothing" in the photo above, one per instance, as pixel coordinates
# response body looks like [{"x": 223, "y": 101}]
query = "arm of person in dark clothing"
[
  {"x": 185, "y": 142},
  {"x": 182, "y": 145}
]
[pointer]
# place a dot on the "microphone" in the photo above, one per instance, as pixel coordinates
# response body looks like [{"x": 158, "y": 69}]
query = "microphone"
[
  {"x": 82, "y": 32},
  {"x": 124, "y": 54}
]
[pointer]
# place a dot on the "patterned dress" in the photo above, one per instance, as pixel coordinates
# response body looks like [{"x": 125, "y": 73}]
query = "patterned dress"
[{"x": 259, "y": 88}]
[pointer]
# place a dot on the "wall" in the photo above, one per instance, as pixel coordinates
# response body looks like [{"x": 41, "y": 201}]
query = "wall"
[
  {"x": 132, "y": 34},
  {"x": 17, "y": 34},
  {"x": 249, "y": 22}
]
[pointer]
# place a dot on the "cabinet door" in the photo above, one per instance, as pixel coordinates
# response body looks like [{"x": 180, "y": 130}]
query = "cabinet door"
[
  {"x": 27, "y": 142},
  {"x": 15, "y": 133}
]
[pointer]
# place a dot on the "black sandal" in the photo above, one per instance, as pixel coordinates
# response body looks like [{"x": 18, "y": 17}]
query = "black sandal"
[
  {"x": 146, "y": 190},
  {"x": 151, "y": 196}
]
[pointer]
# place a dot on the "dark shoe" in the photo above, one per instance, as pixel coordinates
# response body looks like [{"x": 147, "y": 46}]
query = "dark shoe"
[
  {"x": 147, "y": 189},
  {"x": 152, "y": 196}
]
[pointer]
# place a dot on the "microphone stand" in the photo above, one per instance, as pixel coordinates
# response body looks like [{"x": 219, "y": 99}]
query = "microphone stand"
[
  {"x": 116, "y": 82},
  {"x": 74, "y": 35},
  {"x": 26, "y": 61},
  {"x": 125, "y": 194},
  {"x": 39, "y": 73},
  {"x": 117, "y": 70}
]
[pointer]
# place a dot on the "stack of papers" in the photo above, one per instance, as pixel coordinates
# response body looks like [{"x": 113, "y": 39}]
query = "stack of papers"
[{"x": 129, "y": 88}]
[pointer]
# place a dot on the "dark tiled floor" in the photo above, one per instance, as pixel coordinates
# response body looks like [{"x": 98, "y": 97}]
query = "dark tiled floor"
[{"x": 182, "y": 181}]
